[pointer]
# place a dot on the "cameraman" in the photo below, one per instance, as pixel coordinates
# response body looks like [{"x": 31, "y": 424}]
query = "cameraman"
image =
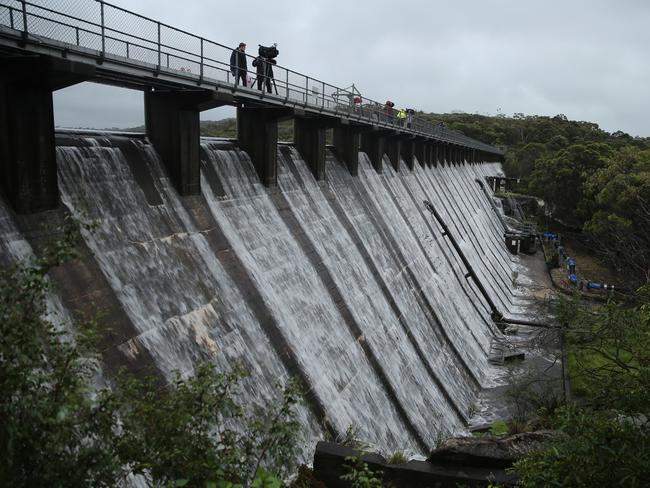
[
  {"x": 264, "y": 72},
  {"x": 238, "y": 66}
]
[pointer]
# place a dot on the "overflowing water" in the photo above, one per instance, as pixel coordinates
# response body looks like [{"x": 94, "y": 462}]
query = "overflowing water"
[{"x": 347, "y": 283}]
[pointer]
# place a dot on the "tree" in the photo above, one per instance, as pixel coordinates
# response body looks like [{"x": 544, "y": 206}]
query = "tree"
[
  {"x": 520, "y": 162},
  {"x": 620, "y": 225},
  {"x": 560, "y": 180}
]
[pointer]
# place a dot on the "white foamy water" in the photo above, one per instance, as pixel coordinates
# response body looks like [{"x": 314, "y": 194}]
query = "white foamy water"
[{"x": 347, "y": 282}]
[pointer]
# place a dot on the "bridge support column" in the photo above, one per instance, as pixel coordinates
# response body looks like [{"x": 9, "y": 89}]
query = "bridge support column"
[
  {"x": 394, "y": 151},
  {"x": 257, "y": 133},
  {"x": 408, "y": 151},
  {"x": 27, "y": 148},
  {"x": 172, "y": 122},
  {"x": 309, "y": 138},
  {"x": 421, "y": 152},
  {"x": 346, "y": 145},
  {"x": 374, "y": 145}
]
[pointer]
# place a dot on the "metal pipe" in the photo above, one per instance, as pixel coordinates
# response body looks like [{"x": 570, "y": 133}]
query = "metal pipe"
[
  {"x": 470, "y": 270},
  {"x": 496, "y": 314},
  {"x": 529, "y": 323}
]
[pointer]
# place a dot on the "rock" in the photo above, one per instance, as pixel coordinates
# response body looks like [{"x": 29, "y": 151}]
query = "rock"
[
  {"x": 489, "y": 451},
  {"x": 330, "y": 460}
]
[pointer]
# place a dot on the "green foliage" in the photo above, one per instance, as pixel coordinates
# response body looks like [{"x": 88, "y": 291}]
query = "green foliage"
[
  {"x": 398, "y": 457},
  {"x": 499, "y": 427},
  {"x": 219, "y": 128},
  {"x": 57, "y": 429},
  {"x": 610, "y": 345},
  {"x": 46, "y": 407},
  {"x": 228, "y": 128},
  {"x": 561, "y": 178},
  {"x": 305, "y": 478},
  {"x": 620, "y": 223},
  {"x": 595, "y": 449},
  {"x": 359, "y": 475},
  {"x": 351, "y": 439},
  {"x": 472, "y": 410}
]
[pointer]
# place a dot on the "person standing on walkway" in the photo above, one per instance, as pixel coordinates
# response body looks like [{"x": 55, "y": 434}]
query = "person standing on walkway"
[
  {"x": 409, "y": 117},
  {"x": 401, "y": 117},
  {"x": 238, "y": 66},
  {"x": 264, "y": 72},
  {"x": 388, "y": 111}
]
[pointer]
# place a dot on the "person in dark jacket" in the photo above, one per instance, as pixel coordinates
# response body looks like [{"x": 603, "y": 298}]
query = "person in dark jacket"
[
  {"x": 264, "y": 72},
  {"x": 238, "y": 66},
  {"x": 388, "y": 112}
]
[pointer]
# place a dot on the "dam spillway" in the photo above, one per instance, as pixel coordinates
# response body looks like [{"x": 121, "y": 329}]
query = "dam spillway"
[{"x": 345, "y": 283}]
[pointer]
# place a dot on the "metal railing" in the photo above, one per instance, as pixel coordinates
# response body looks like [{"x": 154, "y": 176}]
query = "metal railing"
[{"x": 105, "y": 31}]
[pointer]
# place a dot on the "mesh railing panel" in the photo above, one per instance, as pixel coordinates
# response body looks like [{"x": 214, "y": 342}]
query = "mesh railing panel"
[
  {"x": 131, "y": 36},
  {"x": 10, "y": 15},
  {"x": 67, "y": 11},
  {"x": 46, "y": 18}
]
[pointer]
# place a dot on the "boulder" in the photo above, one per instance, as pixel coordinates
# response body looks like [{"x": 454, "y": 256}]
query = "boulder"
[{"x": 489, "y": 451}]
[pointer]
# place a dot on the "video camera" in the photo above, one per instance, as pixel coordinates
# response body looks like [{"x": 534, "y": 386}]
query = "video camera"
[{"x": 268, "y": 52}]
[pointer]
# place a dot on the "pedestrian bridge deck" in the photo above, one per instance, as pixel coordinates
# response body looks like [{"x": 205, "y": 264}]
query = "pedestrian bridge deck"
[{"x": 131, "y": 50}]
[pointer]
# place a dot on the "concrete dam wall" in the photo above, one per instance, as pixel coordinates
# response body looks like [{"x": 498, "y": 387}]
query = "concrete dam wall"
[{"x": 346, "y": 283}]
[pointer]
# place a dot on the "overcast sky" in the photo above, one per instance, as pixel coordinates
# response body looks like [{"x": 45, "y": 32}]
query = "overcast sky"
[{"x": 589, "y": 60}]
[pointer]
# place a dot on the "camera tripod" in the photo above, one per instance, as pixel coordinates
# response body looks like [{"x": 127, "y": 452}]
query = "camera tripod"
[{"x": 254, "y": 80}]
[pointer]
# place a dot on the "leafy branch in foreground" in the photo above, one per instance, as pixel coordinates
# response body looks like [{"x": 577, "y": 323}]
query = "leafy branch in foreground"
[{"x": 55, "y": 429}]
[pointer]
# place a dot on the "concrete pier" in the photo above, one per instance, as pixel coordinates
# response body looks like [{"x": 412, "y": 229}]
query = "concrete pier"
[
  {"x": 347, "y": 139},
  {"x": 394, "y": 151},
  {"x": 309, "y": 139},
  {"x": 172, "y": 121},
  {"x": 27, "y": 152},
  {"x": 408, "y": 150},
  {"x": 257, "y": 130},
  {"x": 373, "y": 143}
]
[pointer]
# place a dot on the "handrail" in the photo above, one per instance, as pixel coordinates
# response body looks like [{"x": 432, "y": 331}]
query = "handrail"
[{"x": 102, "y": 33}]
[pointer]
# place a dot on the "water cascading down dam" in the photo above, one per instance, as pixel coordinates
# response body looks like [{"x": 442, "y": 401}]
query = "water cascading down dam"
[
  {"x": 343, "y": 283},
  {"x": 296, "y": 261}
]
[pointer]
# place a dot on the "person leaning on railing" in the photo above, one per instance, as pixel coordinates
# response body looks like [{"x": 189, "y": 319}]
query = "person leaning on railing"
[{"x": 238, "y": 66}]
